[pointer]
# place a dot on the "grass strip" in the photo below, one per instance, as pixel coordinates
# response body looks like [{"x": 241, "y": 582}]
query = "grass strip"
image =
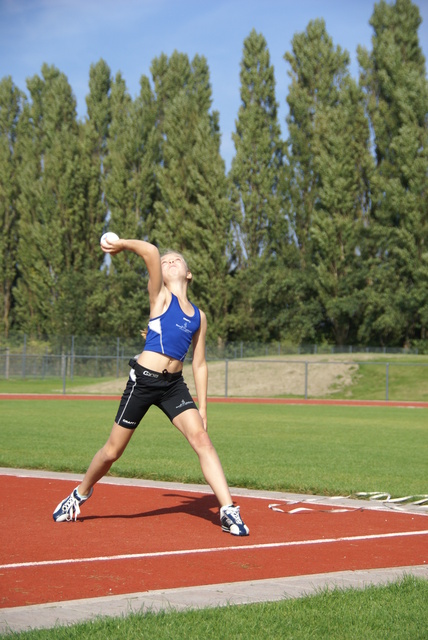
[
  {"x": 323, "y": 450},
  {"x": 391, "y": 612}
]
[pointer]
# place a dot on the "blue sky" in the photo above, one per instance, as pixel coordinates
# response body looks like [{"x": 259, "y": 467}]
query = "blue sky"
[{"x": 129, "y": 34}]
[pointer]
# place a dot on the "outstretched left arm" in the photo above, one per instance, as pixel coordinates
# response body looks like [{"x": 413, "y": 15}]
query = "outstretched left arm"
[{"x": 200, "y": 368}]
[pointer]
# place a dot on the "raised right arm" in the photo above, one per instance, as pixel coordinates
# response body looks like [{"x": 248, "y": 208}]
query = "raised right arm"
[{"x": 151, "y": 257}]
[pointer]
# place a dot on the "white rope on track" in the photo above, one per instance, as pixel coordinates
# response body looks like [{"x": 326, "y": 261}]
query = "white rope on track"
[
  {"x": 406, "y": 503},
  {"x": 409, "y": 502}
]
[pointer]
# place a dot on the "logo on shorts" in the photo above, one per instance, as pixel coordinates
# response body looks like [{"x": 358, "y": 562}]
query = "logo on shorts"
[
  {"x": 183, "y": 403},
  {"x": 128, "y": 421},
  {"x": 149, "y": 374}
]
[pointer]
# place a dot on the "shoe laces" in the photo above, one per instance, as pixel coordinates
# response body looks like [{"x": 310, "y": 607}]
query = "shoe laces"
[
  {"x": 71, "y": 508},
  {"x": 234, "y": 513}
]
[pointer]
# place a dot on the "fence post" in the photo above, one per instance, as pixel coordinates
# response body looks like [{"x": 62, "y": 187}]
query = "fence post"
[
  {"x": 306, "y": 380},
  {"x": 72, "y": 358},
  {"x": 7, "y": 363},
  {"x": 226, "y": 371},
  {"x": 387, "y": 381},
  {"x": 117, "y": 356},
  {"x": 64, "y": 371},
  {"x": 24, "y": 355},
  {"x": 44, "y": 363}
]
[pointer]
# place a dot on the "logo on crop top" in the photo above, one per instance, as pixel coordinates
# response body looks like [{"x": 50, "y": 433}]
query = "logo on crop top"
[{"x": 184, "y": 327}]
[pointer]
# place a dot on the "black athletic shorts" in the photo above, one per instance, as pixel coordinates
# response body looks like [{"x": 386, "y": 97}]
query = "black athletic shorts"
[{"x": 145, "y": 388}]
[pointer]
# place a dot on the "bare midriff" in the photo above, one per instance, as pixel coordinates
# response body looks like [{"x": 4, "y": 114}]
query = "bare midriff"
[{"x": 159, "y": 362}]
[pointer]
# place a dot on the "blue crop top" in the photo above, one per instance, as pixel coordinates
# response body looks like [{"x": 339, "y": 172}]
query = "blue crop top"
[{"x": 171, "y": 333}]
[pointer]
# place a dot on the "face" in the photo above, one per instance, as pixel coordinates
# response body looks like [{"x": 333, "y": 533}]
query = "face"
[{"x": 173, "y": 265}]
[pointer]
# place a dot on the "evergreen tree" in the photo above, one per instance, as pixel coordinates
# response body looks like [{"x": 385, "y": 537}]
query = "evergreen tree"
[
  {"x": 98, "y": 105},
  {"x": 129, "y": 185},
  {"x": 94, "y": 133},
  {"x": 170, "y": 76},
  {"x": 192, "y": 210},
  {"x": 56, "y": 239},
  {"x": 45, "y": 169},
  {"x": 128, "y": 191},
  {"x": 394, "y": 80},
  {"x": 255, "y": 173},
  {"x": 258, "y": 158},
  {"x": 318, "y": 70},
  {"x": 344, "y": 165},
  {"x": 11, "y": 103}
]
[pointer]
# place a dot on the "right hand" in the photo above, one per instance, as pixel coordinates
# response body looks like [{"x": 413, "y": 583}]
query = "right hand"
[{"x": 113, "y": 246}]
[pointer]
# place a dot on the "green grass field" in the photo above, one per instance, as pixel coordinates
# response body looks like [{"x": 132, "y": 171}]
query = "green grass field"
[
  {"x": 407, "y": 380},
  {"x": 45, "y": 385},
  {"x": 306, "y": 449},
  {"x": 326, "y": 450}
]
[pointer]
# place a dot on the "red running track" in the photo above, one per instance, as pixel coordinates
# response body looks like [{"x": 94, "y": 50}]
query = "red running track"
[
  {"x": 314, "y": 401},
  {"x": 131, "y": 539}
]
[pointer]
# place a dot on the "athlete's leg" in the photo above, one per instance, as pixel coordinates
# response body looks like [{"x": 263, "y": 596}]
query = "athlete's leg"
[
  {"x": 104, "y": 458},
  {"x": 191, "y": 426}
]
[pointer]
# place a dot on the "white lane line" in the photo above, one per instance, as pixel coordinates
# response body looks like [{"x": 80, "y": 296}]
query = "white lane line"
[{"x": 183, "y": 552}]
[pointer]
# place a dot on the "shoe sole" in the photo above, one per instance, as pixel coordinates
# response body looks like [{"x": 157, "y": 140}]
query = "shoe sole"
[{"x": 227, "y": 530}]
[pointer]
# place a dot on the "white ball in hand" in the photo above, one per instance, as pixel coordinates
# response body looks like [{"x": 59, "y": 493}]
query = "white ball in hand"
[{"x": 108, "y": 237}]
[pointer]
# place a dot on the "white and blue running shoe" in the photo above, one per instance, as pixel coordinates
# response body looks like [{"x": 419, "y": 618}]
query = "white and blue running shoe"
[
  {"x": 69, "y": 508},
  {"x": 231, "y": 521}
]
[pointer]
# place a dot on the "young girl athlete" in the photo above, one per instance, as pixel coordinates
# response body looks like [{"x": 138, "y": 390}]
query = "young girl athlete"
[{"x": 156, "y": 378}]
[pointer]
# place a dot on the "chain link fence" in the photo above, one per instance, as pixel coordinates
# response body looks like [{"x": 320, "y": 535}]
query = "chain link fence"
[{"x": 238, "y": 369}]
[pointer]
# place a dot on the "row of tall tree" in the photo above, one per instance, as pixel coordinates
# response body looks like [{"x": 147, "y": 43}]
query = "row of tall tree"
[{"x": 322, "y": 236}]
